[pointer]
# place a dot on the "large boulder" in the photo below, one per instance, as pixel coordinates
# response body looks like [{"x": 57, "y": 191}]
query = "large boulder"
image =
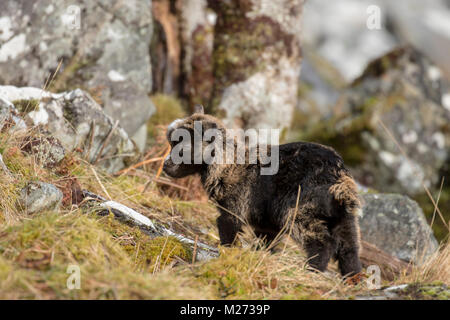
[
  {"x": 76, "y": 120},
  {"x": 396, "y": 102},
  {"x": 338, "y": 45},
  {"x": 397, "y": 225},
  {"x": 103, "y": 46},
  {"x": 256, "y": 62}
]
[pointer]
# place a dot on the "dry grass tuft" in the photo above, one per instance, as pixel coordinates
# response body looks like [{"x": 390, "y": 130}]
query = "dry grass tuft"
[{"x": 120, "y": 262}]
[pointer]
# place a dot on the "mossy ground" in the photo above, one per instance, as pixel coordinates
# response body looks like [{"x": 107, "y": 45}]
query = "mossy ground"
[
  {"x": 25, "y": 106},
  {"x": 168, "y": 108},
  {"x": 117, "y": 261}
]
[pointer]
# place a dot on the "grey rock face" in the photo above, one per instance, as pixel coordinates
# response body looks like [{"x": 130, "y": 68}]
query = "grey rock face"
[
  {"x": 103, "y": 46},
  {"x": 257, "y": 62},
  {"x": 400, "y": 92},
  {"x": 397, "y": 225},
  {"x": 77, "y": 121},
  {"x": 40, "y": 196}
]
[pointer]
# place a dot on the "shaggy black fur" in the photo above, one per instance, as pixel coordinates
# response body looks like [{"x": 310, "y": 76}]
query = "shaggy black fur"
[{"x": 325, "y": 223}]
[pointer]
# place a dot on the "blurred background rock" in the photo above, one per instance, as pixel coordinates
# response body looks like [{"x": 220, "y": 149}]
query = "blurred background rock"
[{"x": 310, "y": 68}]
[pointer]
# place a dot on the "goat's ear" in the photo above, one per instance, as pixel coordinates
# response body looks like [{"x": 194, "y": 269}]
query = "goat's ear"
[{"x": 199, "y": 109}]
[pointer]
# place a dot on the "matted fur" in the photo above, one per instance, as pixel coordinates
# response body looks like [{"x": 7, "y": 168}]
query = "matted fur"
[{"x": 325, "y": 222}]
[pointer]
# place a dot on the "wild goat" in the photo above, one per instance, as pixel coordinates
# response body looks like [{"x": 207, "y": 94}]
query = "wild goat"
[{"x": 312, "y": 193}]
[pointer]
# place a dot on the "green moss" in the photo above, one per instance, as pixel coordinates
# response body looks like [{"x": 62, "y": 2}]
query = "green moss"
[
  {"x": 427, "y": 292},
  {"x": 148, "y": 254},
  {"x": 74, "y": 75},
  {"x": 26, "y": 106},
  {"x": 238, "y": 45},
  {"x": 163, "y": 251},
  {"x": 344, "y": 132},
  {"x": 439, "y": 228},
  {"x": 35, "y": 255},
  {"x": 347, "y": 142},
  {"x": 68, "y": 113},
  {"x": 168, "y": 108}
]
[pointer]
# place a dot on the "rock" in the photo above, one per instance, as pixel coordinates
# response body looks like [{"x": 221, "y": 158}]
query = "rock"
[
  {"x": 433, "y": 291},
  {"x": 397, "y": 225},
  {"x": 424, "y": 24},
  {"x": 402, "y": 91},
  {"x": 257, "y": 61},
  {"x": 140, "y": 138},
  {"x": 103, "y": 46},
  {"x": 45, "y": 148},
  {"x": 338, "y": 31},
  {"x": 197, "y": 40},
  {"x": 77, "y": 121},
  {"x": 9, "y": 116},
  {"x": 40, "y": 196}
]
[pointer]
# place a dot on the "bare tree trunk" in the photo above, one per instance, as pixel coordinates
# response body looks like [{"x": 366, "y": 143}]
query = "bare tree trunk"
[
  {"x": 256, "y": 61},
  {"x": 165, "y": 48}
]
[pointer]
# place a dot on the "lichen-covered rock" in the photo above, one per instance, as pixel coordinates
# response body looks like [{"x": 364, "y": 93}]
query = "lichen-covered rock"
[
  {"x": 197, "y": 38},
  {"x": 392, "y": 127},
  {"x": 397, "y": 225},
  {"x": 402, "y": 92},
  {"x": 39, "y": 196},
  {"x": 46, "y": 149},
  {"x": 103, "y": 46},
  {"x": 9, "y": 116},
  {"x": 256, "y": 62},
  {"x": 77, "y": 121}
]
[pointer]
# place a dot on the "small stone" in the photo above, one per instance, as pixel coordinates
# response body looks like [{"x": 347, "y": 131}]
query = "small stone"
[
  {"x": 47, "y": 150},
  {"x": 40, "y": 196}
]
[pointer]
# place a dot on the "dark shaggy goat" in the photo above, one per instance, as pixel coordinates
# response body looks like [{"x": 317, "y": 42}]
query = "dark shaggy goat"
[{"x": 326, "y": 222}]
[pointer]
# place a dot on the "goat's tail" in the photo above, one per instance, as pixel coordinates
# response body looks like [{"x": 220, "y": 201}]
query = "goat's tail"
[{"x": 345, "y": 192}]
